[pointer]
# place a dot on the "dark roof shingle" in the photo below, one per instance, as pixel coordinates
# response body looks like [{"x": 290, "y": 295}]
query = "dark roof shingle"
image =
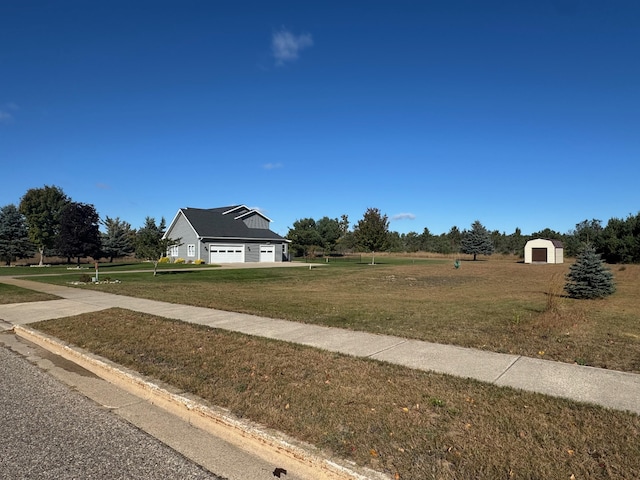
[{"x": 213, "y": 223}]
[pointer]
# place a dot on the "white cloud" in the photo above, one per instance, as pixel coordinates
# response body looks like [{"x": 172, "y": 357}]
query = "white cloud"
[
  {"x": 260, "y": 209},
  {"x": 272, "y": 166},
  {"x": 403, "y": 216},
  {"x": 286, "y": 46}
]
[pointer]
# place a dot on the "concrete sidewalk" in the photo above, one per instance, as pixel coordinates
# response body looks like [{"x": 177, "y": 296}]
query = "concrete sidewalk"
[{"x": 612, "y": 389}]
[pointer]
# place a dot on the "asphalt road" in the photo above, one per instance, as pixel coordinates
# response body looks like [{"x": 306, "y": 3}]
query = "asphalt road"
[{"x": 48, "y": 431}]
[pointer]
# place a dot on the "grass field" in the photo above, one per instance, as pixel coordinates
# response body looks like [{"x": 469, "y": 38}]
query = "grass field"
[
  {"x": 13, "y": 294},
  {"x": 407, "y": 423},
  {"x": 496, "y": 304},
  {"x": 410, "y": 424}
]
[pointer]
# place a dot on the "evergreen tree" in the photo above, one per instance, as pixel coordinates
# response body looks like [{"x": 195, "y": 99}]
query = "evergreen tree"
[
  {"x": 14, "y": 237},
  {"x": 621, "y": 240},
  {"x": 454, "y": 236},
  {"x": 372, "y": 232},
  {"x": 329, "y": 231},
  {"x": 151, "y": 243},
  {"x": 118, "y": 241},
  {"x": 303, "y": 236},
  {"x": 476, "y": 241},
  {"x": 589, "y": 277}
]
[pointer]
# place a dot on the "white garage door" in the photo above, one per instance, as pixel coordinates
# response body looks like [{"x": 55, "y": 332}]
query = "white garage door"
[
  {"x": 267, "y": 253},
  {"x": 226, "y": 253}
]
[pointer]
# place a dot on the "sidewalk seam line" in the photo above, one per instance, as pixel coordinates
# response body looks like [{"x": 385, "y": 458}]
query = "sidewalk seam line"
[
  {"x": 386, "y": 349},
  {"x": 494, "y": 381}
]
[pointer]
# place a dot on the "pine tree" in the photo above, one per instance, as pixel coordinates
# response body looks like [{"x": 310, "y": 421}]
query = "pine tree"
[
  {"x": 118, "y": 241},
  {"x": 589, "y": 277},
  {"x": 151, "y": 243},
  {"x": 14, "y": 238},
  {"x": 477, "y": 241},
  {"x": 372, "y": 232}
]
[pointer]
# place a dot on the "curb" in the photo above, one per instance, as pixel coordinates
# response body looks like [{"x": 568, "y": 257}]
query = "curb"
[{"x": 269, "y": 445}]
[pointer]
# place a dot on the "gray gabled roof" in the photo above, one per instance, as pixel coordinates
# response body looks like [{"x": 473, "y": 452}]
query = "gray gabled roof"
[{"x": 226, "y": 222}]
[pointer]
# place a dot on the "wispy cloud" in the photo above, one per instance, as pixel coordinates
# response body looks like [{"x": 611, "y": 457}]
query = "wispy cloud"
[
  {"x": 286, "y": 46},
  {"x": 403, "y": 216},
  {"x": 260, "y": 209},
  {"x": 5, "y": 117},
  {"x": 5, "y": 113},
  {"x": 272, "y": 166}
]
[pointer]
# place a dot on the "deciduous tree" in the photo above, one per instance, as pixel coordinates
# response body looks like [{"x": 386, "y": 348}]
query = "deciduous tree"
[
  {"x": 79, "y": 231},
  {"x": 41, "y": 208}
]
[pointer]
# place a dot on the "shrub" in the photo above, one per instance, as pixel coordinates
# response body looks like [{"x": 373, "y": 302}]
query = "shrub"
[
  {"x": 589, "y": 277},
  {"x": 179, "y": 260},
  {"x": 199, "y": 261},
  {"x": 164, "y": 260}
]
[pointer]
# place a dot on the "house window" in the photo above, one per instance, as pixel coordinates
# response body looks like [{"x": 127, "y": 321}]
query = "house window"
[
  {"x": 173, "y": 251},
  {"x": 191, "y": 250}
]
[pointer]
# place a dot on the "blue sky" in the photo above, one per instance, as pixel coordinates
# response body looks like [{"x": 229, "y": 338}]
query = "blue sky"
[{"x": 515, "y": 113}]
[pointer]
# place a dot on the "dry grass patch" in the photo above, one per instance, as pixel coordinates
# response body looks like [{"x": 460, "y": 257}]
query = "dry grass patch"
[
  {"x": 13, "y": 294},
  {"x": 495, "y": 304},
  {"x": 419, "y": 425}
]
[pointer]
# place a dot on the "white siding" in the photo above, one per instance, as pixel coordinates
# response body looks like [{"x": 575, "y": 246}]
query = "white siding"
[{"x": 554, "y": 254}]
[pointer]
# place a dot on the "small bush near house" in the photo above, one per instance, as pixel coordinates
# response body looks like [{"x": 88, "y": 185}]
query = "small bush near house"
[
  {"x": 164, "y": 260},
  {"x": 179, "y": 260},
  {"x": 199, "y": 262}
]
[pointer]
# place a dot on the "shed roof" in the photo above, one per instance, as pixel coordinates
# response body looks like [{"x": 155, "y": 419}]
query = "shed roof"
[{"x": 556, "y": 243}]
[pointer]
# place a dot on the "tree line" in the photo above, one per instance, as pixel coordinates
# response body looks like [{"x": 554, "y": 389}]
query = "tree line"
[
  {"x": 49, "y": 223},
  {"x": 616, "y": 242}
]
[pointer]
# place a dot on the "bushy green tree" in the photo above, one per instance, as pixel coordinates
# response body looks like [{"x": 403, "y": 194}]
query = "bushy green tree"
[
  {"x": 118, "y": 240},
  {"x": 330, "y": 232},
  {"x": 476, "y": 241},
  {"x": 79, "y": 231},
  {"x": 411, "y": 241},
  {"x": 41, "y": 208},
  {"x": 587, "y": 232},
  {"x": 151, "y": 243},
  {"x": 589, "y": 277},
  {"x": 303, "y": 236},
  {"x": 620, "y": 241},
  {"x": 372, "y": 231},
  {"x": 454, "y": 236},
  {"x": 14, "y": 237},
  {"x": 517, "y": 242}
]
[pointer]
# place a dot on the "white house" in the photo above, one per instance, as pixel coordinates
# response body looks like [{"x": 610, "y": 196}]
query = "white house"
[{"x": 542, "y": 250}]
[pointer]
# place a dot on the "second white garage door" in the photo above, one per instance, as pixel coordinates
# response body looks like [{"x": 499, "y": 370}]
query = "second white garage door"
[
  {"x": 219, "y": 253},
  {"x": 267, "y": 253}
]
